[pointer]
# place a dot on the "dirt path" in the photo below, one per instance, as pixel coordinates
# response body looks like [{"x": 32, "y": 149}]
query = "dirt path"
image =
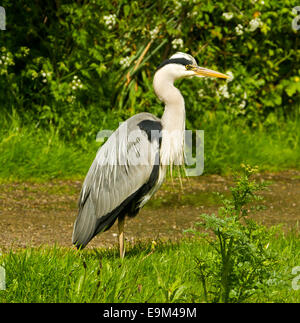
[{"x": 32, "y": 214}]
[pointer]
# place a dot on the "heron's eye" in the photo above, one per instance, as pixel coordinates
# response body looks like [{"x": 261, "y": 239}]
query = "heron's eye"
[{"x": 189, "y": 67}]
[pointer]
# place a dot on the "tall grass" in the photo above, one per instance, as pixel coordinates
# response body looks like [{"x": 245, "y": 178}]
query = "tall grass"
[
  {"x": 28, "y": 152},
  {"x": 163, "y": 272},
  {"x": 273, "y": 149}
]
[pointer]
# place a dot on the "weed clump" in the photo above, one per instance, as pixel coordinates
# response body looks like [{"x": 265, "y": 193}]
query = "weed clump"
[{"x": 239, "y": 262}]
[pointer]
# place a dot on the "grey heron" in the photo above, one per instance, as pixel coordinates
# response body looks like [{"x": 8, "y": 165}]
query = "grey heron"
[{"x": 131, "y": 165}]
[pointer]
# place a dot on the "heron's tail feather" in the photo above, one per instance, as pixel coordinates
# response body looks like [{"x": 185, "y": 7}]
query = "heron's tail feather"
[{"x": 85, "y": 225}]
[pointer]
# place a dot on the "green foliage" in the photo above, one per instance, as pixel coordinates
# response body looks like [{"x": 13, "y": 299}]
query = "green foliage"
[
  {"x": 28, "y": 152},
  {"x": 239, "y": 263},
  {"x": 161, "y": 273},
  {"x": 31, "y": 152},
  {"x": 86, "y": 65}
]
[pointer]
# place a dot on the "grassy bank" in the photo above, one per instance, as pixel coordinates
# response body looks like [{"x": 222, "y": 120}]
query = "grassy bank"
[
  {"x": 226, "y": 257},
  {"x": 161, "y": 272},
  {"x": 29, "y": 152}
]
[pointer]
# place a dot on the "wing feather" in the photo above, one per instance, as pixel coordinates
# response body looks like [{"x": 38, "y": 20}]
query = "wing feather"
[{"x": 121, "y": 167}]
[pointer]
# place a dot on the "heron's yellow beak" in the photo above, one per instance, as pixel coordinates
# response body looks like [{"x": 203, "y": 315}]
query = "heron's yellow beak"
[{"x": 201, "y": 71}]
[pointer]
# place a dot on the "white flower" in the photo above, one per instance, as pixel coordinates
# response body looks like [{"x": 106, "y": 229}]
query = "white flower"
[
  {"x": 231, "y": 77},
  {"x": 76, "y": 79},
  {"x": 154, "y": 32},
  {"x": 7, "y": 59},
  {"x": 177, "y": 43},
  {"x": 76, "y": 83},
  {"x": 223, "y": 91},
  {"x": 227, "y": 15},
  {"x": 200, "y": 92},
  {"x": 177, "y": 4},
  {"x": 110, "y": 20},
  {"x": 71, "y": 98},
  {"x": 242, "y": 104},
  {"x": 239, "y": 29},
  {"x": 192, "y": 14},
  {"x": 125, "y": 62},
  {"x": 254, "y": 24},
  {"x": 43, "y": 74}
]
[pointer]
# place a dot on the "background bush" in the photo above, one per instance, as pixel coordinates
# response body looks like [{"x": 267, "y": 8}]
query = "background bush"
[{"x": 86, "y": 65}]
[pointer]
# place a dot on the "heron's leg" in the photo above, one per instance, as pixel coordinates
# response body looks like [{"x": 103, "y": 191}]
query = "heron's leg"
[{"x": 121, "y": 221}]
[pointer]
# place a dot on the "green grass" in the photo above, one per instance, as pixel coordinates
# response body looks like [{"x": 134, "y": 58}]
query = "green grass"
[
  {"x": 165, "y": 272},
  {"x": 31, "y": 153},
  {"x": 273, "y": 149}
]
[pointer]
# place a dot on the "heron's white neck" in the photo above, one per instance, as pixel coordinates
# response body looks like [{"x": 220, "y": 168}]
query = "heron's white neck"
[{"x": 173, "y": 119}]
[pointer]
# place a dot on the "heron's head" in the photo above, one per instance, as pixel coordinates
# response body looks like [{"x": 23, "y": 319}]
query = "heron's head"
[{"x": 181, "y": 65}]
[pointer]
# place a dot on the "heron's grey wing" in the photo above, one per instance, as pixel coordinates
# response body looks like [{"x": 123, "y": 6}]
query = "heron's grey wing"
[{"x": 121, "y": 167}]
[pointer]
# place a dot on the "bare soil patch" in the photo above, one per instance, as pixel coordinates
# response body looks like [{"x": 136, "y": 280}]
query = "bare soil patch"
[{"x": 32, "y": 214}]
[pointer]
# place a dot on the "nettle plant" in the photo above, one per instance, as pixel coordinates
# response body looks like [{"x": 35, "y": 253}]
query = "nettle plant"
[{"x": 239, "y": 263}]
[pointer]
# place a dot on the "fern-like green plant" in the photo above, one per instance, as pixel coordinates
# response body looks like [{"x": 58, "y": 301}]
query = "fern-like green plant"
[{"x": 240, "y": 261}]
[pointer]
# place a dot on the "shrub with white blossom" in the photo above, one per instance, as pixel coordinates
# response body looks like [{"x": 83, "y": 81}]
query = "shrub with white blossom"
[{"x": 91, "y": 64}]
